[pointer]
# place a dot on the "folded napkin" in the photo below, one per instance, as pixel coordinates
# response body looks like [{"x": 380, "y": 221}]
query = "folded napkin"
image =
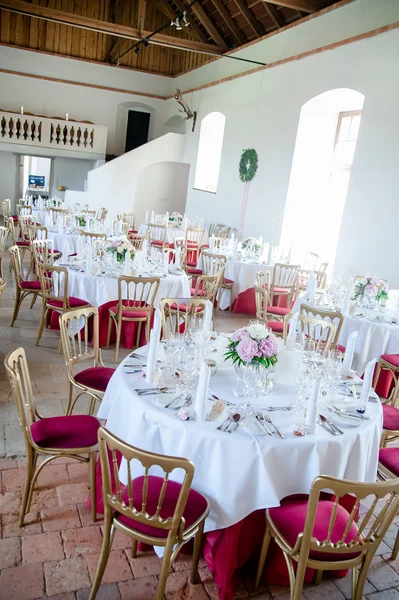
[
  {"x": 201, "y": 398},
  {"x": 208, "y": 315},
  {"x": 212, "y": 243},
  {"x": 349, "y": 353},
  {"x": 311, "y": 288},
  {"x": 311, "y": 415},
  {"x": 235, "y": 249},
  {"x": 65, "y": 249},
  {"x": 165, "y": 262},
  {"x": 346, "y": 303},
  {"x": 178, "y": 257},
  {"x": 367, "y": 382},
  {"x": 292, "y": 331},
  {"x": 144, "y": 247},
  {"x": 89, "y": 258},
  {"x": 153, "y": 348}
]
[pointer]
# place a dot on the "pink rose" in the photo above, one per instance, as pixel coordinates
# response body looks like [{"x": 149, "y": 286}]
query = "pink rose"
[
  {"x": 384, "y": 287},
  {"x": 247, "y": 349},
  {"x": 240, "y": 335},
  {"x": 371, "y": 290},
  {"x": 374, "y": 281},
  {"x": 268, "y": 346}
]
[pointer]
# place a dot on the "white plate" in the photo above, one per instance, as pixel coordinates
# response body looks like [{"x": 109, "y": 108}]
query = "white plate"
[
  {"x": 343, "y": 421},
  {"x": 164, "y": 399},
  {"x": 250, "y": 425}
]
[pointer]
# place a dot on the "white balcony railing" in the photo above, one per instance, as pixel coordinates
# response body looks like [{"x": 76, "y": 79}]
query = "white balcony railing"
[{"x": 43, "y": 132}]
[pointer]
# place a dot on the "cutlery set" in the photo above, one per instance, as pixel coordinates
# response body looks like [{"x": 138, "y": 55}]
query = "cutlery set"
[
  {"x": 329, "y": 425},
  {"x": 230, "y": 424}
]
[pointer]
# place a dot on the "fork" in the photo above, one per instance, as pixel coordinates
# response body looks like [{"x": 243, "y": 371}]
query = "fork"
[{"x": 268, "y": 419}]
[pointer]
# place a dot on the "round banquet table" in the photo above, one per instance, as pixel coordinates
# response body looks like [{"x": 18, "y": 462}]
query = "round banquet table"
[
  {"x": 60, "y": 238},
  {"x": 240, "y": 474},
  {"x": 173, "y": 232},
  {"x": 40, "y": 215},
  {"x": 102, "y": 292}
]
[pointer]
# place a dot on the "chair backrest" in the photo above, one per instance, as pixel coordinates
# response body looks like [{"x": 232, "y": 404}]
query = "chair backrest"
[
  {"x": 53, "y": 283},
  {"x": 323, "y": 266},
  {"x": 284, "y": 276},
  {"x": 261, "y": 302},
  {"x": 334, "y": 317},
  {"x": 11, "y": 229},
  {"x": 137, "y": 293},
  {"x": 24, "y": 222},
  {"x": 207, "y": 285},
  {"x": 303, "y": 278},
  {"x": 79, "y": 336},
  {"x": 311, "y": 259},
  {"x": 136, "y": 506},
  {"x": 37, "y": 232},
  {"x": 129, "y": 218},
  {"x": 180, "y": 242},
  {"x": 57, "y": 212},
  {"x": 125, "y": 227},
  {"x": 23, "y": 210},
  {"x": 212, "y": 264},
  {"x": 88, "y": 212},
  {"x": 263, "y": 278},
  {"x": 370, "y": 530},
  {"x": 43, "y": 251},
  {"x": 6, "y": 208},
  {"x": 90, "y": 234},
  {"x": 137, "y": 240},
  {"x": 320, "y": 331},
  {"x": 3, "y": 284},
  {"x": 16, "y": 264},
  {"x": 17, "y": 370},
  {"x": 181, "y": 312},
  {"x": 4, "y": 231},
  {"x": 101, "y": 213},
  {"x": 224, "y": 233},
  {"x": 157, "y": 232},
  {"x": 194, "y": 235}
]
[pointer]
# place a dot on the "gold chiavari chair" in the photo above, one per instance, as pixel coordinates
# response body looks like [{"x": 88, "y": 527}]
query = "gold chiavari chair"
[
  {"x": 323, "y": 266},
  {"x": 6, "y": 208},
  {"x": 158, "y": 235},
  {"x": 137, "y": 240},
  {"x": 214, "y": 229},
  {"x": 88, "y": 212},
  {"x": 311, "y": 260},
  {"x": 317, "y": 532},
  {"x": 22, "y": 209},
  {"x": 283, "y": 282},
  {"x": 177, "y": 313},
  {"x": 303, "y": 278},
  {"x": 151, "y": 509},
  {"x": 335, "y": 317},
  {"x": 22, "y": 244},
  {"x": 77, "y": 346},
  {"x": 321, "y": 331},
  {"x": 389, "y": 405},
  {"x": 23, "y": 287},
  {"x": 54, "y": 287},
  {"x": 4, "y": 231},
  {"x": 90, "y": 234},
  {"x": 136, "y": 297},
  {"x": 208, "y": 258},
  {"x": 57, "y": 212},
  {"x": 2, "y": 286},
  {"x": 262, "y": 303},
  {"x": 194, "y": 237},
  {"x": 388, "y": 468},
  {"x": 51, "y": 437},
  {"x": 129, "y": 218},
  {"x": 125, "y": 227},
  {"x": 40, "y": 233},
  {"x": 224, "y": 233},
  {"x": 101, "y": 213}
]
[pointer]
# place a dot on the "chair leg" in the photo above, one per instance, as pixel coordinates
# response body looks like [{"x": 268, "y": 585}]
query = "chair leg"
[
  {"x": 18, "y": 301},
  {"x": 92, "y": 483},
  {"x": 197, "y": 551},
  {"x": 262, "y": 558},
  {"x": 376, "y": 374},
  {"x": 105, "y": 550},
  {"x": 355, "y": 576},
  {"x": 68, "y": 410},
  {"x": 361, "y": 579},
  {"x": 135, "y": 543},
  {"x": 42, "y": 323},
  {"x": 109, "y": 331},
  {"x": 33, "y": 301},
  {"x": 395, "y": 548},
  {"x": 30, "y": 467},
  {"x": 299, "y": 579},
  {"x": 231, "y": 297},
  {"x": 318, "y": 577},
  {"x": 118, "y": 338},
  {"x": 166, "y": 564}
]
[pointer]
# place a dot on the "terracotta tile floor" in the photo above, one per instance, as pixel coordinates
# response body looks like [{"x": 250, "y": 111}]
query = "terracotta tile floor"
[{"x": 55, "y": 554}]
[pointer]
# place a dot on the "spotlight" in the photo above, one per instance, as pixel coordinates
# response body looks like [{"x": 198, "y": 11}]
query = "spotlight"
[
  {"x": 118, "y": 63},
  {"x": 146, "y": 43},
  {"x": 176, "y": 23},
  {"x": 185, "y": 20},
  {"x": 137, "y": 50}
]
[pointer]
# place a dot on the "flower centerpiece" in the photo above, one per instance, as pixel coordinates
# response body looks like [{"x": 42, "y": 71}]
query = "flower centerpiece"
[
  {"x": 81, "y": 221},
  {"x": 371, "y": 288},
  {"x": 176, "y": 219},
  {"x": 119, "y": 249},
  {"x": 255, "y": 344}
]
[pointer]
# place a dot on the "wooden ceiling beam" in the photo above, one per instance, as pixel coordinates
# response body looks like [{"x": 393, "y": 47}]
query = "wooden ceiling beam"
[
  {"x": 227, "y": 18},
  {"x": 121, "y": 31},
  {"x": 193, "y": 24},
  {"x": 274, "y": 14},
  {"x": 141, "y": 12},
  {"x": 308, "y": 6},
  {"x": 208, "y": 24},
  {"x": 250, "y": 17}
]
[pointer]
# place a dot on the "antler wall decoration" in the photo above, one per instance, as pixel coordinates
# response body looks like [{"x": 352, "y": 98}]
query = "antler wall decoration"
[{"x": 186, "y": 109}]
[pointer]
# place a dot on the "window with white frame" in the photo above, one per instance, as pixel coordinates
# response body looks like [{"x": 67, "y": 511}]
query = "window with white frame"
[{"x": 209, "y": 152}]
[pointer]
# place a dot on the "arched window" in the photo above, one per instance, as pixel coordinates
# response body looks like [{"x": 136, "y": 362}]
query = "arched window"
[{"x": 209, "y": 152}]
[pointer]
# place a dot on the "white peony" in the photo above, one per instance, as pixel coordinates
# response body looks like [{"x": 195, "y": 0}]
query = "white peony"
[
  {"x": 364, "y": 281},
  {"x": 120, "y": 250},
  {"x": 257, "y": 332}
]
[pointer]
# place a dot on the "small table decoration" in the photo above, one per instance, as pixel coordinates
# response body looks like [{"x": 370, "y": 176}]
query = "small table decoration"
[
  {"x": 369, "y": 291},
  {"x": 119, "y": 250},
  {"x": 254, "y": 344}
]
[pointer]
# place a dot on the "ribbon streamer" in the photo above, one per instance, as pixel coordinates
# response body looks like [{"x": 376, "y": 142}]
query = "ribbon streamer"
[{"x": 243, "y": 209}]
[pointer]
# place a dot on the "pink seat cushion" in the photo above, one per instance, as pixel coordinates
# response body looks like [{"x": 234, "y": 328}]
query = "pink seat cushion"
[
  {"x": 96, "y": 378},
  {"x": 392, "y": 359},
  {"x": 75, "y": 431},
  {"x": 280, "y": 290},
  {"x": 228, "y": 281},
  {"x": 289, "y": 519},
  {"x": 158, "y": 243},
  {"x": 199, "y": 292},
  {"x": 194, "y": 271},
  {"x": 130, "y": 313},
  {"x": 389, "y": 458},
  {"x": 73, "y": 303},
  {"x": 23, "y": 244},
  {"x": 30, "y": 285},
  {"x": 15, "y": 217},
  {"x": 276, "y": 326},
  {"x": 184, "y": 308},
  {"x": 278, "y": 310},
  {"x": 341, "y": 348},
  {"x": 192, "y": 245},
  {"x": 390, "y": 417},
  {"x": 195, "y": 507}
]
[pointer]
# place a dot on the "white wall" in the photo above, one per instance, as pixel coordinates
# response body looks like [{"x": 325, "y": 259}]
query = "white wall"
[
  {"x": 9, "y": 177},
  {"x": 100, "y": 106},
  {"x": 69, "y": 172},
  {"x": 161, "y": 187}
]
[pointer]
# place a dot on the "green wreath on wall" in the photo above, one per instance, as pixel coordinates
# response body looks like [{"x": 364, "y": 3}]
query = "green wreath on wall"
[{"x": 248, "y": 164}]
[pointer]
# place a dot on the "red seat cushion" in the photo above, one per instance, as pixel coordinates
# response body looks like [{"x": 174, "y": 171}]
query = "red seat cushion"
[
  {"x": 194, "y": 271},
  {"x": 228, "y": 281},
  {"x": 289, "y": 519},
  {"x": 341, "y": 348},
  {"x": 389, "y": 458},
  {"x": 96, "y": 378},
  {"x": 184, "y": 308},
  {"x": 195, "y": 507},
  {"x": 159, "y": 243},
  {"x": 276, "y": 326},
  {"x": 130, "y": 313},
  {"x": 280, "y": 290},
  {"x": 73, "y": 303},
  {"x": 278, "y": 310},
  {"x": 23, "y": 244},
  {"x": 392, "y": 359},
  {"x": 15, "y": 217},
  {"x": 192, "y": 245},
  {"x": 200, "y": 292},
  {"x": 30, "y": 285},
  {"x": 75, "y": 431},
  {"x": 390, "y": 417}
]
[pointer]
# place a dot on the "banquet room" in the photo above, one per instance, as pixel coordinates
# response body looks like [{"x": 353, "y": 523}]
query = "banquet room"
[{"x": 199, "y": 300}]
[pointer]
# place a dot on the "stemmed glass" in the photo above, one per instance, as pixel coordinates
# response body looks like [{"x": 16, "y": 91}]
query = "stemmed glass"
[{"x": 240, "y": 390}]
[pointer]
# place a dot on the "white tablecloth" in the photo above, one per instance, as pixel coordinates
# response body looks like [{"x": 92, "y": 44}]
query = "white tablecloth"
[
  {"x": 99, "y": 290},
  {"x": 59, "y": 239},
  {"x": 173, "y": 232},
  {"x": 373, "y": 340},
  {"x": 40, "y": 215},
  {"x": 240, "y": 473}
]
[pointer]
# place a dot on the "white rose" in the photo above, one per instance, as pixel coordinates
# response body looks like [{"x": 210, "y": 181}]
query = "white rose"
[
  {"x": 119, "y": 250},
  {"x": 257, "y": 332},
  {"x": 364, "y": 281}
]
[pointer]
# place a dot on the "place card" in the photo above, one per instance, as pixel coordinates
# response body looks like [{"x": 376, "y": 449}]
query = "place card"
[{"x": 217, "y": 410}]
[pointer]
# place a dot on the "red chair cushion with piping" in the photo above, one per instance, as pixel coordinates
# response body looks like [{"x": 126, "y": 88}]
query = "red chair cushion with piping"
[
  {"x": 390, "y": 417},
  {"x": 96, "y": 378},
  {"x": 194, "y": 271},
  {"x": 183, "y": 307},
  {"x": 289, "y": 519},
  {"x": 15, "y": 217},
  {"x": 199, "y": 292},
  {"x": 392, "y": 359},
  {"x": 276, "y": 326},
  {"x": 389, "y": 458},
  {"x": 75, "y": 431},
  {"x": 159, "y": 243},
  {"x": 278, "y": 310},
  {"x": 195, "y": 506},
  {"x": 341, "y": 348},
  {"x": 73, "y": 303},
  {"x": 30, "y": 285},
  {"x": 280, "y": 290},
  {"x": 192, "y": 245},
  {"x": 130, "y": 313},
  {"x": 228, "y": 281},
  {"x": 23, "y": 244}
]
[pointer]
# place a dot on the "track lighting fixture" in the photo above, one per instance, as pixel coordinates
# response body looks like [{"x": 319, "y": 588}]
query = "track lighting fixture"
[
  {"x": 185, "y": 20},
  {"x": 176, "y": 23},
  {"x": 137, "y": 50}
]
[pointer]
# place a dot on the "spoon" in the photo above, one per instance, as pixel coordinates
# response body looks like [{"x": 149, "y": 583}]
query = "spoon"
[{"x": 235, "y": 419}]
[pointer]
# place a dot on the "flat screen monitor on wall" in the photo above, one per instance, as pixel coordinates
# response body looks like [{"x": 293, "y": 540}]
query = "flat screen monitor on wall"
[{"x": 36, "y": 180}]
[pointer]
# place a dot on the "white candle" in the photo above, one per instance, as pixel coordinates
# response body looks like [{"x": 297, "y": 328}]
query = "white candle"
[
  {"x": 66, "y": 117},
  {"x": 22, "y": 110}
]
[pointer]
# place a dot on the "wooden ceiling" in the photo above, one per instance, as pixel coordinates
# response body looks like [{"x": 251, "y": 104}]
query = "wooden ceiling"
[{"x": 104, "y": 31}]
